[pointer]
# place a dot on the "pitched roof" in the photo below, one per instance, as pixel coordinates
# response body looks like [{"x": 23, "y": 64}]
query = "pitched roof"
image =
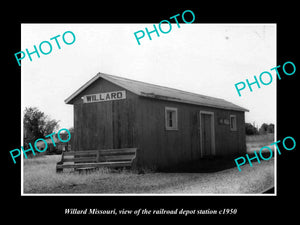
[{"x": 160, "y": 92}]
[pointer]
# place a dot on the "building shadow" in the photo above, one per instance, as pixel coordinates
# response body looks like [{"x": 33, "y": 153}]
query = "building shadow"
[{"x": 203, "y": 165}]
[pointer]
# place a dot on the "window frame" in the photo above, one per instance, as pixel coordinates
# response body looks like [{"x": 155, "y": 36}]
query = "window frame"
[
  {"x": 174, "y": 120},
  {"x": 233, "y": 125}
]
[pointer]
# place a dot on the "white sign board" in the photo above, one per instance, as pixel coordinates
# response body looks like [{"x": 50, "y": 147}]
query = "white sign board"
[{"x": 103, "y": 97}]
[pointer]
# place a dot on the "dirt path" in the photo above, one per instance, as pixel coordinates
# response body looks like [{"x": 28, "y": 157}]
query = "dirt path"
[{"x": 254, "y": 179}]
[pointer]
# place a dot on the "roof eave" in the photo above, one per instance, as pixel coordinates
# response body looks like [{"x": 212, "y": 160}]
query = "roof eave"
[
  {"x": 82, "y": 88},
  {"x": 160, "y": 97}
]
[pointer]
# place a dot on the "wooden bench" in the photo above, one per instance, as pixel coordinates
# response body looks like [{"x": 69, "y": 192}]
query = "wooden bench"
[{"x": 91, "y": 159}]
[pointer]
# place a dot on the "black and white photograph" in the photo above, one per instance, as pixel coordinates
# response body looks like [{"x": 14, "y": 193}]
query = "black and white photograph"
[
  {"x": 145, "y": 111},
  {"x": 163, "y": 116}
]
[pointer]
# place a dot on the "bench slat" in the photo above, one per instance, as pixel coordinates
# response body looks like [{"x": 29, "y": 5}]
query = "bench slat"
[
  {"x": 106, "y": 151},
  {"x": 102, "y": 164},
  {"x": 118, "y": 151},
  {"x": 83, "y": 159},
  {"x": 116, "y": 157},
  {"x": 89, "y": 152}
]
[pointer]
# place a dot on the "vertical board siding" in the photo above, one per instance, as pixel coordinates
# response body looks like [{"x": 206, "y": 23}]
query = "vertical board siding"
[
  {"x": 123, "y": 123},
  {"x": 104, "y": 125},
  {"x": 164, "y": 148}
]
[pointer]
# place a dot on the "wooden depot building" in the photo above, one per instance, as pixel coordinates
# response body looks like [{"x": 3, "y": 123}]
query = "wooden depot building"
[{"x": 167, "y": 126}]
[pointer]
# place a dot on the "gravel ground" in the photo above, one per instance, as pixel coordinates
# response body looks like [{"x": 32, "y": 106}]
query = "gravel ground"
[{"x": 250, "y": 180}]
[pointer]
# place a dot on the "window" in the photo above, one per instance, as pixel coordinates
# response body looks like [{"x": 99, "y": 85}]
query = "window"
[
  {"x": 171, "y": 118},
  {"x": 233, "y": 123}
]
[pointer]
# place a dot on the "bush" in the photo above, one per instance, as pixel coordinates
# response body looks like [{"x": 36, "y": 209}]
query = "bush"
[
  {"x": 266, "y": 128},
  {"x": 250, "y": 129}
]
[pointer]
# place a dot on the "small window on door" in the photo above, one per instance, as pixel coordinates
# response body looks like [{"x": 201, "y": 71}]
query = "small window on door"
[
  {"x": 171, "y": 118},
  {"x": 233, "y": 123}
]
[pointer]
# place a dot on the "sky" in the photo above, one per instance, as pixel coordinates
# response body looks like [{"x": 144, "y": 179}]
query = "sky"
[{"x": 207, "y": 59}]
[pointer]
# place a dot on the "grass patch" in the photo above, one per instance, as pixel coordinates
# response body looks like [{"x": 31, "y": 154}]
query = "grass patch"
[
  {"x": 40, "y": 177},
  {"x": 256, "y": 142}
]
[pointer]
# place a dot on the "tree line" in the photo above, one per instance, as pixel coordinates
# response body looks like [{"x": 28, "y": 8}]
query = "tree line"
[{"x": 265, "y": 128}]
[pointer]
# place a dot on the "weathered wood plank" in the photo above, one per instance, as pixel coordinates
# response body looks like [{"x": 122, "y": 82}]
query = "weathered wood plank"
[
  {"x": 118, "y": 151},
  {"x": 91, "y": 152},
  {"x": 116, "y": 158},
  {"x": 106, "y": 151},
  {"x": 83, "y": 159},
  {"x": 100, "y": 164}
]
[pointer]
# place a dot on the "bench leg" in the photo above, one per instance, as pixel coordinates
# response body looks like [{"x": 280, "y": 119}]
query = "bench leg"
[
  {"x": 86, "y": 170},
  {"x": 59, "y": 170}
]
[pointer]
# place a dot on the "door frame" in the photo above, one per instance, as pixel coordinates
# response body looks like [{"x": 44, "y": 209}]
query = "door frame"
[{"x": 213, "y": 144}]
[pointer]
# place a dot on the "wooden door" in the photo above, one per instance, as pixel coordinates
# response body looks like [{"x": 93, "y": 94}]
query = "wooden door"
[{"x": 207, "y": 134}]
